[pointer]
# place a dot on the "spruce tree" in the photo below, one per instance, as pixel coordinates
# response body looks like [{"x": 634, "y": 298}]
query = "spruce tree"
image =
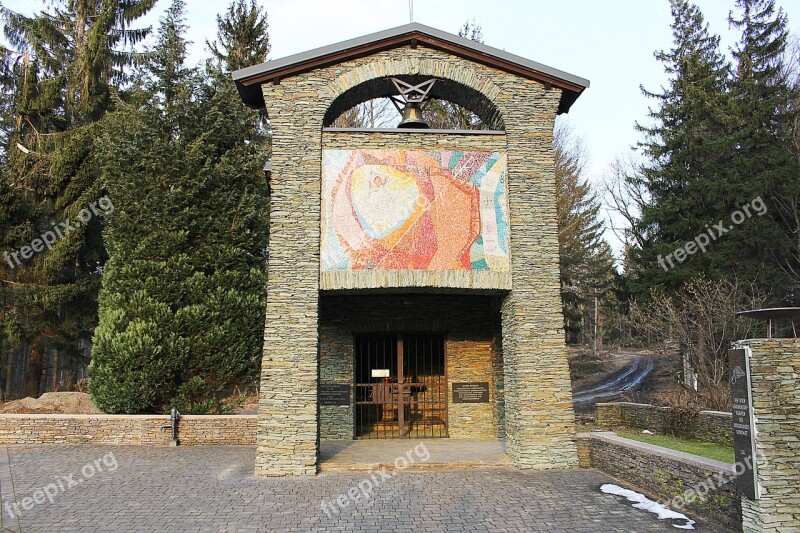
[
  {"x": 182, "y": 303},
  {"x": 242, "y": 36},
  {"x": 688, "y": 149},
  {"x": 765, "y": 163},
  {"x": 61, "y": 68},
  {"x": 585, "y": 258}
]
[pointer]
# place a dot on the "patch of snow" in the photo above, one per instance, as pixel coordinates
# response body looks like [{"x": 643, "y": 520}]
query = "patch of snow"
[
  {"x": 640, "y": 501},
  {"x": 647, "y": 432}
]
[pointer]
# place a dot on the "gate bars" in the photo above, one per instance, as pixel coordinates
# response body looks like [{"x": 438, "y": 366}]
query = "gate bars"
[{"x": 400, "y": 386}]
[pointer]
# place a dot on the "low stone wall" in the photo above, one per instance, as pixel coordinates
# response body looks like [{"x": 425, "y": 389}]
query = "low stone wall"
[
  {"x": 125, "y": 429},
  {"x": 711, "y": 426},
  {"x": 666, "y": 475}
]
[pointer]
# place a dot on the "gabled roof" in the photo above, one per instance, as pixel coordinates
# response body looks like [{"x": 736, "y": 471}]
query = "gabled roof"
[{"x": 248, "y": 80}]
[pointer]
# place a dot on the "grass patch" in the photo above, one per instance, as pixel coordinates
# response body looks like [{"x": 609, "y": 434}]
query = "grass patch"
[{"x": 708, "y": 450}]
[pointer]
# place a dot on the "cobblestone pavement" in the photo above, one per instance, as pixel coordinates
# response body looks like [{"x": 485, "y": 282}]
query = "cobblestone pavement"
[{"x": 140, "y": 488}]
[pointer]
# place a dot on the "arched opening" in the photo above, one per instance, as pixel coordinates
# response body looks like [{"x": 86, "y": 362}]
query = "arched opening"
[{"x": 454, "y": 106}]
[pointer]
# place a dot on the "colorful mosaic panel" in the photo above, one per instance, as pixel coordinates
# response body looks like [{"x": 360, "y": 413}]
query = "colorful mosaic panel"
[{"x": 414, "y": 210}]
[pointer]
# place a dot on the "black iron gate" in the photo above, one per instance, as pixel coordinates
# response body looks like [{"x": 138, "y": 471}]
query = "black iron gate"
[{"x": 401, "y": 386}]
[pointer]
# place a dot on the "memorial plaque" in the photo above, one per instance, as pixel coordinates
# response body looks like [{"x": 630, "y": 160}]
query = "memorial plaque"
[
  {"x": 471, "y": 392},
  {"x": 743, "y": 434},
  {"x": 334, "y": 394}
]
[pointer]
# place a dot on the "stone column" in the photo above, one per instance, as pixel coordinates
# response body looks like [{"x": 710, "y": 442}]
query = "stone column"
[
  {"x": 288, "y": 428},
  {"x": 540, "y": 423},
  {"x": 775, "y": 369}
]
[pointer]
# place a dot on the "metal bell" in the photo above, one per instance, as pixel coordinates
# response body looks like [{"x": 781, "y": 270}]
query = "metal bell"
[{"x": 412, "y": 116}]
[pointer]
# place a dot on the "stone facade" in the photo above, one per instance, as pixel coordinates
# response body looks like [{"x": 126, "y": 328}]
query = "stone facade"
[
  {"x": 539, "y": 423},
  {"x": 774, "y": 369},
  {"x": 471, "y": 327},
  {"x": 666, "y": 475},
  {"x": 126, "y": 429}
]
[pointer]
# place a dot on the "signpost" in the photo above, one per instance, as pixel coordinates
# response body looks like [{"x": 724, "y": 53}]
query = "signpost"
[{"x": 743, "y": 423}]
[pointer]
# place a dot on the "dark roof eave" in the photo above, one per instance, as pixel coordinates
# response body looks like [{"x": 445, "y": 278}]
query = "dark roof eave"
[
  {"x": 249, "y": 80},
  {"x": 771, "y": 313}
]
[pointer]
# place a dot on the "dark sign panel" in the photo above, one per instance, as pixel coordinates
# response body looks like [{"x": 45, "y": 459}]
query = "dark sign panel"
[
  {"x": 471, "y": 392},
  {"x": 743, "y": 435},
  {"x": 334, "y": 394}
]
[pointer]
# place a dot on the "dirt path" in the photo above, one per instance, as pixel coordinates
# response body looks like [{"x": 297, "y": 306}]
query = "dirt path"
[{"x": 617, "y": 383}]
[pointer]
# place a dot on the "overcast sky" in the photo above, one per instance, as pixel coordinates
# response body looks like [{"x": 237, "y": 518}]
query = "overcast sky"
[{"x": 610, "y": 42}]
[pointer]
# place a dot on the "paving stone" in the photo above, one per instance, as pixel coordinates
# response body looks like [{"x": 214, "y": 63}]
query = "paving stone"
[{"x": 209, "y": 488}]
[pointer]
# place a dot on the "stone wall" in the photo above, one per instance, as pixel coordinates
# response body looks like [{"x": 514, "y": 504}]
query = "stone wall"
[
  {"x": 666, "y": 475},
  {"x": 336, "y": 366},
  {"x": 711, "y": 426},
  {"x": 538, "y": 404},
  {"x": 774, "y": 371},
  {"x": 470, "y": 325},
  {"x": 344, "y": 139},
  {"x": 714, "y": 426},
  {"x": 475, "y": 355},
  {"x": 540, "y": 422},
  {"x": 125, "y": 429},
  {"x": 608, "y": 414}
]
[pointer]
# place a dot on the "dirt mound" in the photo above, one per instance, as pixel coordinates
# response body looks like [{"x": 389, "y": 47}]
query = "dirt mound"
[{"x": 71, "y": 403}]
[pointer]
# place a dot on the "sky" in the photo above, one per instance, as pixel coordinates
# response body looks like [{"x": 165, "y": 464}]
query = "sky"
[{"x": 611, "y": 43}]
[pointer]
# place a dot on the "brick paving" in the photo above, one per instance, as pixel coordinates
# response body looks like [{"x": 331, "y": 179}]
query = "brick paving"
[{"x": 209, "y": 488}]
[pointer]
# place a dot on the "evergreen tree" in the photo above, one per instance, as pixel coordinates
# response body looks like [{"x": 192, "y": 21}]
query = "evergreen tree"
[
  {"x": 182, "y": 303},
  {"x": 688, "y": 147},
  {"x": 82, "y": 48},
  {"x": 243, "y": 36},
  {"x": 765, "y": 163},
  {"x": 168, "y": 78},
  {"x": 586, "y": 261},
  {"x": 61, "y": 69}
]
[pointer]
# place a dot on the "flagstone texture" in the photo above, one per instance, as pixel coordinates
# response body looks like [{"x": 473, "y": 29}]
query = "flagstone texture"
[{"x": 538, "y": 414}]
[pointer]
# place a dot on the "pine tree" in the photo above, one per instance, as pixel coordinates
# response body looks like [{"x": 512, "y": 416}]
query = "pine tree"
[
  {"x": 765, "y": 163},
  {"x": 169, "y": 78},
  {"x": 62, "y": 67},
  {"x": 182, "y": 303},
  {"x": 243, "y": 36},
  {"x": 688, "y": 147},
  {"x": 586, "y": 261}
]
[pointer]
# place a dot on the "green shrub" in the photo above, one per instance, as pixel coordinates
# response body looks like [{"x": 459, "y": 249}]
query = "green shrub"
[{"x": 181, "y": 314}]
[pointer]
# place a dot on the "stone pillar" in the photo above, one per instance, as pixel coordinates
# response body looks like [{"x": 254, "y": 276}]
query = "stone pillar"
[
  {"x": 288, "y": 427},
  {"x": 775, "y": 369},
  {"x": 540, "y": 423}
]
